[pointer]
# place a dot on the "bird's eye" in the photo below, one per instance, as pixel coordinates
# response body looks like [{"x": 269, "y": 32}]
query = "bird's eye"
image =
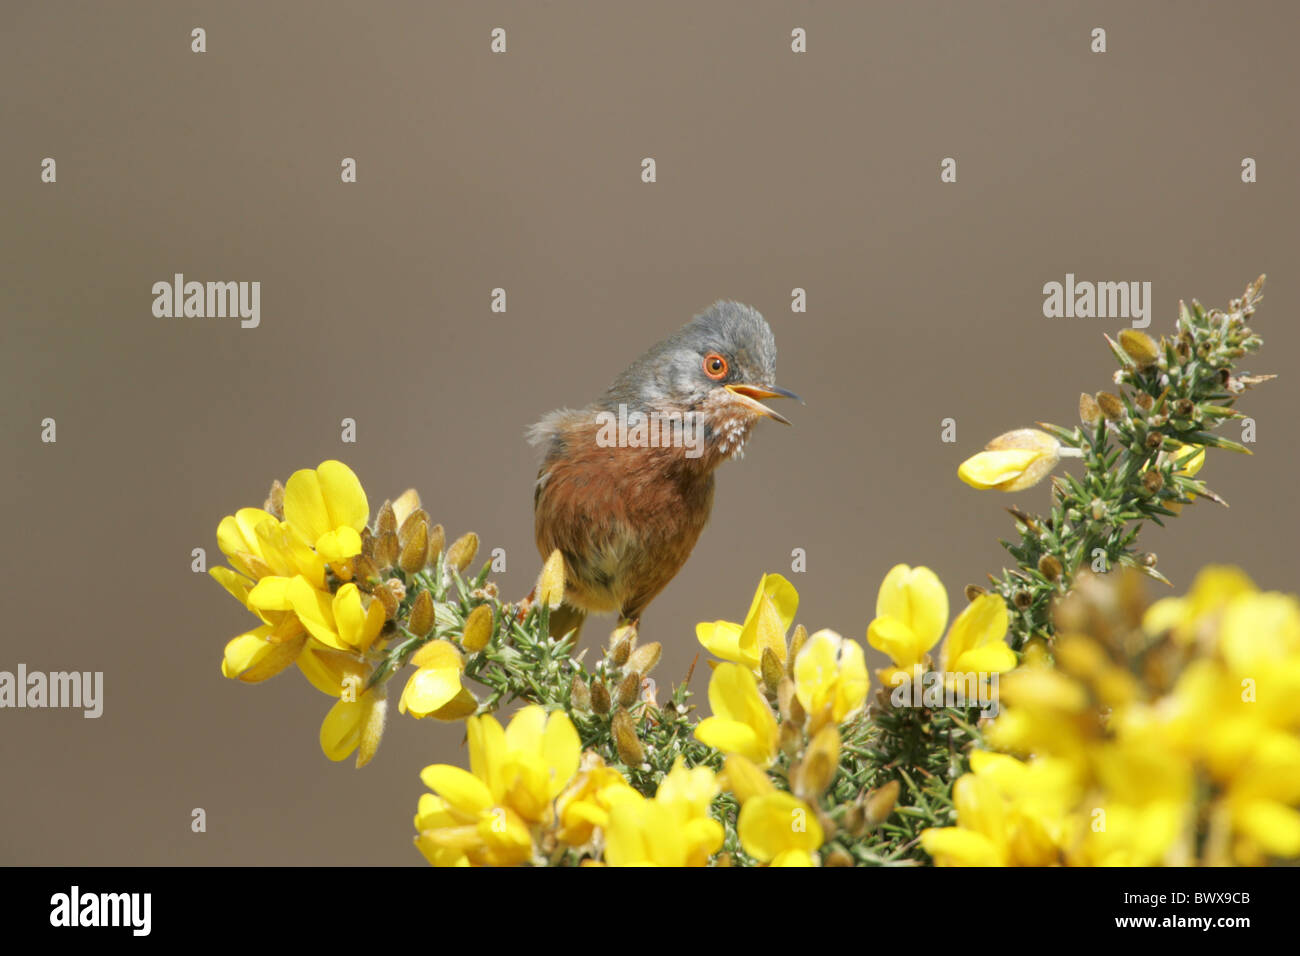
[{"x": 715, "y": 366}]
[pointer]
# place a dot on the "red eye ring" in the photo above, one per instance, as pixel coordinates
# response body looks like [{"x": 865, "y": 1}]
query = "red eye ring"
[{"x": 715, "y": 366}]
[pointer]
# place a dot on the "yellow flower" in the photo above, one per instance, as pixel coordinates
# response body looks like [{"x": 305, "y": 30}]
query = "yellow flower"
[
  {"x": 1012, "y": 462},
  {"x": 338, "y": 620},
  {"x": 911, "y": 613},
  {"x": 1009, "y": 813},
  {"x": 435, "y": 688},
  {"x": 354, "y": 723},
  {"x": 584, "y": 806},
  {"x": 1213, "y": 588},
  {"x": 673, "y": 829},
  {"x": 774, "y": 827},
  {"x": 977, "y": 642},
  {"x": 830, "y": 676},
  {"x": 770, "y": 615},
  {"x": 327, "y": 507},
  {"x": 742, "y": 722},
  {"x": 1188, "y": 460},
  {"x": 491, "y": 814}
]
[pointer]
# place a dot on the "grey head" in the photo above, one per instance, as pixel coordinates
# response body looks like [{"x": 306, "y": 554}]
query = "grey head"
[{"x": 724, "y": 356}]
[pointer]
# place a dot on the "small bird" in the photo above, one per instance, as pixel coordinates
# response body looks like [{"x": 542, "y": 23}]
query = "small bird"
[{"x": 625, "y": 505}]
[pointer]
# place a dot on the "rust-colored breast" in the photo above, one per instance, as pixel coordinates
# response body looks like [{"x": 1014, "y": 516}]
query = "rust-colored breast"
[{"x": 625, "y": 519}]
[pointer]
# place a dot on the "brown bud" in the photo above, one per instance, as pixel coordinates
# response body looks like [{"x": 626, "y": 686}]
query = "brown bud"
[
  {"x": 1023, "y": 599},
  {"x": 1154, "y": 440},
  {"x": 437, "y": 538},
  {"x": 628, "y": 690},
  {"x": 416, "y": 549},
  {"x": 630, "y": 749},
  {"x": 815, "y": 772},
  {"x": 1144, "y": 401},
  {"x": 419, "y": 518},
  {"x": 275, "y": 500},
  {"x": 974, "y": 590},
  {"x": 1141, "y": 348},
  {"x": 388, "y": 597},
  {"x": 579, "y": 694},
  {"x": 386, "y": 550},
  {"x": 771, "y": 669},
  {"x": 600, "y": 702},
  {"x": 621, "y": 642},
  {"x": 1153, "y": 481},
  {"x": 1110, "y": 406},
  {"x": 1049, "y": 566},
  {"x": 838, "y": 856},
  {"x": 366, "y": 572},
  {"x": 792, "y": 711},
  {"x": 879, "y": 804},
  {"x": 420, "y": 621},
  {"x": 478, "y": 629},
  {"x": 1089, "y": 411},
  {"x": 1184, "y": 408},
  {"x": 385, "y": 521},
  {"x": 645, "y": 657},
  {"x": 797, "y": 641},
  {"x": 461, "y": 554}
]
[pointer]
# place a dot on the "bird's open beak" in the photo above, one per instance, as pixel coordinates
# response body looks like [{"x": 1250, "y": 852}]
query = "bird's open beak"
[{"x": 749, "y": 396}]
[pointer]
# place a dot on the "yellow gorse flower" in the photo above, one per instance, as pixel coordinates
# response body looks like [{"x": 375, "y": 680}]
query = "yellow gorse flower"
[
  {"x": 435, "y": 689},
  {"x": 278, "y": 571},
  {"x": 830, "y": 677},
  {"x": 769, "y": 618},
  {"x": 911, "y": 614},
  {"x": 491, "y": 814},
  {"x": 673, "y": 829},
  {"x": 742, "y": 721},
  {"x": 775, "y": 827},
  {"x": 1013, "y": 461},
  {"x": 1119, "y": 771}
]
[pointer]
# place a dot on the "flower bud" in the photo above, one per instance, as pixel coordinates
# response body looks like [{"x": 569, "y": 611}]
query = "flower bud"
[
  {"x": 387, "y": 550},
  {"x": 630, "y": 749},
  {"x": 385, "y": 521},
  {"x": 437, "y": 538},
  {"x": 1089, "y": 411},
  {"x": 817, "y": 769},
  {"x": 1049, "y": 566},
  {"x": 771, "y": 669},
  {"x": 420, "y": 621},
  {"x": 628, "y": 690},
  {"x": 406, "y": 503},
  {"x": 417, "y": 519},
  {"x": 1110, "y": 406},
  {"x": 973, "y": 591},
  {"x": 275, "y": 500},
  {"x": 478, "y": 629},
  {"x": 579, "y": 694},
  {"x": 416, "y": 549},
  {"x": 879, "y": 804},
  {"x": 550, "y": 583},
  {"x": 372, "y": 724},
  {"x": 387, "y": 596},
  {"x": 1140, "y": 347},
  {"x": 645, "y": 657},
  {"x": 797, "y": 641},
  {"x": 461, "y": 554},
  {"x": 600, "y": 702},
  {"x": 838, "y": 856},
  {"x": 1153, "y": 481}
]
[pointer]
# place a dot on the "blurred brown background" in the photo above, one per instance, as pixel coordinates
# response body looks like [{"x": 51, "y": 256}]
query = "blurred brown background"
[{"x": 522, "y": 171}]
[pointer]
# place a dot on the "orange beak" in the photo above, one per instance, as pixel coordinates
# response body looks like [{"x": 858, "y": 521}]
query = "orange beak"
[{"x": 749, "y": 395}]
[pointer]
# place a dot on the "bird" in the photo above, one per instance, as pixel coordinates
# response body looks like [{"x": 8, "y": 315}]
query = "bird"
[{"x": 625, "y": 504}]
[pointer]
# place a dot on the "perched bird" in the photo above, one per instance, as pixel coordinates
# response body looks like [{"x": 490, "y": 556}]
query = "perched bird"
[{"x": 624, "y": 501}]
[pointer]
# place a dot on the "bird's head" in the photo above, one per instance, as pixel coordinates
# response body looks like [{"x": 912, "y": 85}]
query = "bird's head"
[{"x": 717, "y": 367}]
